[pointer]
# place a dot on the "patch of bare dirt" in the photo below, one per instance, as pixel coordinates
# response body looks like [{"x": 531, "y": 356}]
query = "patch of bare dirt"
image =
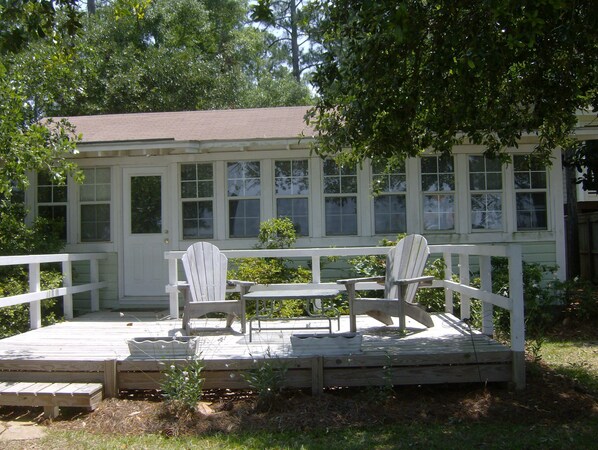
[{"x": 548, "y": 398}]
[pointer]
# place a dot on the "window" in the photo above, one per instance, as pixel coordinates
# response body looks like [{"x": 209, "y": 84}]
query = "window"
[
  {"x": 485, "y": 185},
  {"x": 530, "y": 194},
  {"x": 244, "y": 190},
  {"x": 390, "y": 206},
  {"x": 197, "y": 195},
  {"x": 291, "y": 187},
  {"x": 52, "y": 201},
  {"x": 438, "y": 186},
  {"x": 94, "y": 199},
  {"x": 340, "y": 199}
]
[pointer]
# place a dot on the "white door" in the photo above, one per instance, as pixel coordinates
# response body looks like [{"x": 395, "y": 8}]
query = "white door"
[{"x": 145, "y": 237}]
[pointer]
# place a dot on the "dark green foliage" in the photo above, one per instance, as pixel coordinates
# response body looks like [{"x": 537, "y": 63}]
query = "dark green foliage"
[
  {"x": 18, "y": 239},
  {"x": 402, "y": 76}
]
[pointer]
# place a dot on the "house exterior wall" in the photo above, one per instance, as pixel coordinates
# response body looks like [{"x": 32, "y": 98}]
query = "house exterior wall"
[{"x": 544, "y": 246}]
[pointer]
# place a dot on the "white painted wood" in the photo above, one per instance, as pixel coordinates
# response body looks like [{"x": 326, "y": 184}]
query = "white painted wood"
[
  {"x": 67, "y": 282},
  {"x": 145, "y": 271},
  {"x": 35, "y": 312},
  {"x": 206, "y": 271},
  {"x": 486, "y": 285},
  {"x": 405, "y": 264},
  {"x": 464, "y": 279}
]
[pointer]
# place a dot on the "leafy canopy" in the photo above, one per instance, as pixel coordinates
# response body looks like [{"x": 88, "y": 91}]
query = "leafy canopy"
[
  {"x": 399, "y": 77},
  {"x": 26, "y": 144}
]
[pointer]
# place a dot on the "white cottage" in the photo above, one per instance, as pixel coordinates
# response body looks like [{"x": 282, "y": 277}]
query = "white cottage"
[{"x": 159, "y": 181}]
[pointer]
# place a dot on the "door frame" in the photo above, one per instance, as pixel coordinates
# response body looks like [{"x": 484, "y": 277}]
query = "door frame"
[{"x": 125, "y": 217}]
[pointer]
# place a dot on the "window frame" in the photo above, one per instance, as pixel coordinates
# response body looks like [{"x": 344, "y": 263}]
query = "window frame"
[
  {"x": 243, "y": 199},
  {"x": 341, "y": 176},
  {"x": 292, "y": 196},
  {"x": 486, "y": 191},
  {"x": 95, "y": 202},
  {"x": 438, "y": 193},
  {"x": 531, "y": 190},
  {"x": 53, "y": 204},
  {"x": 386, "y": 192},
  {"x": 197, "y": 199}
]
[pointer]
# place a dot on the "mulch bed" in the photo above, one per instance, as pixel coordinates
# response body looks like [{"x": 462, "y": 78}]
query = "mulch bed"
[{"x": 548, "y": 398}]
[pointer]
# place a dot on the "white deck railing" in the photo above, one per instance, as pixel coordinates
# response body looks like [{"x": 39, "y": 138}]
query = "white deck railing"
[
  {"x": 36, "y": 295},
  {"x": 454, "y": 255}
]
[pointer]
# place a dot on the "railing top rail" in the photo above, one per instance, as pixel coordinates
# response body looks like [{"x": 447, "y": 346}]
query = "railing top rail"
[
  {"x": 468, "y": 249},
  {"x": 57, "y": 257}
]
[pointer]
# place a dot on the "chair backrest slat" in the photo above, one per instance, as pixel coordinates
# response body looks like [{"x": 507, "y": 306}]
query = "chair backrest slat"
[
  {"x": 206, "y": 271},
  {"x": 406, "y": 260}
]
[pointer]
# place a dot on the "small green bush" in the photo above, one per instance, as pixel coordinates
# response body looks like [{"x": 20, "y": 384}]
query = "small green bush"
[
  {"x": 267, "y": 379},
  {"x": 182, "y": 385}
]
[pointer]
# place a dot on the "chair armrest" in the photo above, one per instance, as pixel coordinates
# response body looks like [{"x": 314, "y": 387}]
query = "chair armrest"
[
  {"x": 240, "y": 283},
  {"x": 426, "y": 280},
  {"x": 354, "y": 281}
]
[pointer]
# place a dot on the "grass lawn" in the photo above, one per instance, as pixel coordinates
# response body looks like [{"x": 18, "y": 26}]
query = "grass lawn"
[
  {"x": 440, "y": 436},
  {"x": 576, "y": 359}
]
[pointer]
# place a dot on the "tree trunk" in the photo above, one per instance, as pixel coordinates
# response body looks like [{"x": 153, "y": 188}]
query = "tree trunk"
[
  {"x": 572, "y": 224},
  {"x": 295, "y": 41}
]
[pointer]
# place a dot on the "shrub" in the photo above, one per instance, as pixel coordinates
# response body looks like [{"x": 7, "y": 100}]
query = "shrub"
[
  {"x": 266, "y": 379},
  {"x": 182, "y": 385},
  {"x": 273, "y": 234}
]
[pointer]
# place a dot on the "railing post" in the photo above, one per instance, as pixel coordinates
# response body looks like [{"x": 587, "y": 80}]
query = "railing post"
[
  {"x": 448, "y": 275},
  {"x": 173, "y": 281},
  {"x": 35, "y": 311},
  {"x": 316, "y": 277},
  {"x": 94, "y": 277},
  {"x": 464, "y": 279},
  {"x": 67, "y": 282},
  {"x": 517, "y": 315},
  {"x": 486, "y": 285}
]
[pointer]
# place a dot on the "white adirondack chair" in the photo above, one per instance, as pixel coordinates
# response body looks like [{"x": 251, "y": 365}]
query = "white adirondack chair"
[
  {"x": 206, "y": 270},
  {"x": 404, "y": 268}
]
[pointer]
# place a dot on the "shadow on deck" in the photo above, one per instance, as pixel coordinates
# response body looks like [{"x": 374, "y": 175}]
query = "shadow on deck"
[{"x": 93, "y": 348}]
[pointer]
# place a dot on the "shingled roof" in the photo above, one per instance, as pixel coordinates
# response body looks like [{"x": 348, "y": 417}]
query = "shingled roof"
[{"x": 217, "y": 125}]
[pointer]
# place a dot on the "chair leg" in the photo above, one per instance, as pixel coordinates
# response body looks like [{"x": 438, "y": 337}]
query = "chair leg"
[
  {"x": 229, "y": 320},
  {"x": 352, "y": 318}
]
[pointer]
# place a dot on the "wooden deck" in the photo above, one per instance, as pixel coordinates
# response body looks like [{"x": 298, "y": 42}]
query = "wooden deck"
[{"x": 93, "y": 348}]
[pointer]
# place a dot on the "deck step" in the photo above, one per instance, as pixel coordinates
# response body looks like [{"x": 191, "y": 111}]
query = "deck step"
[{"x": 51, "y": 395}]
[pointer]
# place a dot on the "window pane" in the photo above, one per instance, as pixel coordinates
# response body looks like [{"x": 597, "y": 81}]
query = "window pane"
[
  {"x": 198, "y": 220},
  {"x": 438, "y": 212},
  {"x": 95, "y": 223},
  {"x": 531, "y": 211},
  {"x": 390, "y": 214},
  {"x": 188, "y": 189},
  {"x": 244, "y": 218},
  {"x": 188, "y": 172},
  {"x": 296, "y": 210},
  {"x": 341, "y": 216},
  {"x": 244, "y": 179},
  {"x": 146, "y": 204}
]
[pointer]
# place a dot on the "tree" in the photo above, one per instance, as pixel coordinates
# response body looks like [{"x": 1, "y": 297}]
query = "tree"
[
  {"x": 292, "y": 23},
  {"x": 25, "y": 142},
  {"x": 170, "y": 56},
  {"x": 399, "y": 77}
]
